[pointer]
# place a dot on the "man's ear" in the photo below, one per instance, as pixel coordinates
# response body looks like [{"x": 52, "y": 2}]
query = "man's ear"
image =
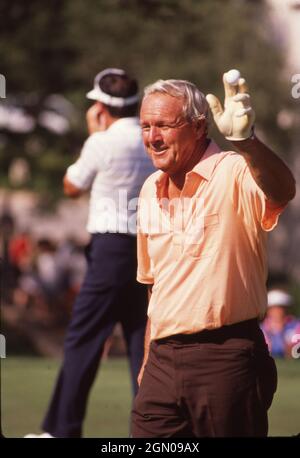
[
  {"x": 100, "y": 106},
  {"x": 200, "y": 128}
]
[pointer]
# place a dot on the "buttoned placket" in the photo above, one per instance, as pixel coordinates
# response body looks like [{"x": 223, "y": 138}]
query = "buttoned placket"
[{"x": 180, "y": 213}]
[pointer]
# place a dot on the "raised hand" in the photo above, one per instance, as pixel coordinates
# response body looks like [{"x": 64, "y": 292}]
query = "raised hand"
[
  {"x": 236, "y": 120},
  {"x": 95, "y": 120}
]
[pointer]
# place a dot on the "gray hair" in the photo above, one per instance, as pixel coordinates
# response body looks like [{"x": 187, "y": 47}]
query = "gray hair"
[{"x": 195, "y": 106}]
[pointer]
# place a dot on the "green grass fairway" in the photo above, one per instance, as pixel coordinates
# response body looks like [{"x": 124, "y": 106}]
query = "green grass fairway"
[{"x": 26, "y": 385}]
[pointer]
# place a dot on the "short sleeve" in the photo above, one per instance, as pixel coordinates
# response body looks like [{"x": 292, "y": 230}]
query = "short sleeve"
[
  {"x": 84, "y": 170},
  {"x": 252, "y": 202}
]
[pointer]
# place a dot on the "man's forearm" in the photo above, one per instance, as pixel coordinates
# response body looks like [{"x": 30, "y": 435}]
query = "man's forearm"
[
  {"x": 146, "y": 352},
  {"x": 268, "y": 170},
  {"x": 148, "y": 330},
  {"x": 146, "y": 341},
  {"x": 70, "y": 189}
]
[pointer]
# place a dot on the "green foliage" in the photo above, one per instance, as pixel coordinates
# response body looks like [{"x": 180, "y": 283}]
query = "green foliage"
[
  {"x": 295, "y": 291},
  {"x": 58, "y": 47}
]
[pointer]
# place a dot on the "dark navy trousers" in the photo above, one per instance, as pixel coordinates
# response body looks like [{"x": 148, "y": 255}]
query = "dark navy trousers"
[{"x": 109, "y": 294}]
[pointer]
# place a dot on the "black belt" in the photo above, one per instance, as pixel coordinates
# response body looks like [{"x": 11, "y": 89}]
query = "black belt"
[{"x": 244, "y": 330}]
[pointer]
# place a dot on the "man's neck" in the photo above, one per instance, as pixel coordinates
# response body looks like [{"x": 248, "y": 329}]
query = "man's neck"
[
  {"x": 176, "y": 181},
  {"x": 110, "y": 120}
]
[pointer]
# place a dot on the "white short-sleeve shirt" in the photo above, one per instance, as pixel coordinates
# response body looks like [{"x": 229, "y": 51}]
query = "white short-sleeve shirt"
[{"x": 115, "y": 165}]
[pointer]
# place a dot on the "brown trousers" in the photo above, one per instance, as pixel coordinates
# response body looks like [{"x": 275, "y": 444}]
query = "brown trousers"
[{"x": 217, "y": 383}]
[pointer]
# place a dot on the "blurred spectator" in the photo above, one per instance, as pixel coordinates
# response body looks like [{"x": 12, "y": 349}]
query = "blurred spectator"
[
  {"x": 280, "y": 326},
  {"x": 46, "y": 269},
  {"x": 46, "y": 278},
  {"x": 21, "y": 249},
  {"x": 7, "y": 224},
  {"x": 71, "y": 264}
]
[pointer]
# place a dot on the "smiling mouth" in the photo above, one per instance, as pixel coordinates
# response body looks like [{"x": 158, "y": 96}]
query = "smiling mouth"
[
  {"x": 159, "y": 153},
  {"x": 158, "y": 149}
]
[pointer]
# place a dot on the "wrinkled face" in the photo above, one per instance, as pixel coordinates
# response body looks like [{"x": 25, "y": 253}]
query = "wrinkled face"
[{"x": 169, "y": 139}]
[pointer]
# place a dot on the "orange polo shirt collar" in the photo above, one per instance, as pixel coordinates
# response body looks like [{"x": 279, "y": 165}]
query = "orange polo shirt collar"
[{"x": 204, "y": 169}]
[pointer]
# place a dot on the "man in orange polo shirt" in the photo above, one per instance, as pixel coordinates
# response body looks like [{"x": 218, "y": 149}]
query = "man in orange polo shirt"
[{"x": 203, "y": 223}]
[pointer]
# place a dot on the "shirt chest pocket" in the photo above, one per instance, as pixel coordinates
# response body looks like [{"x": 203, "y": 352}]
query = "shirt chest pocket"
[{"x": 202, "y": 241}]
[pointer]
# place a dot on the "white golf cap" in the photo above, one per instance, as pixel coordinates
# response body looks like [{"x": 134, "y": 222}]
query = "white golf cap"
[
  {"x": 107, "y": 99},
  {"x": 279, "y": 297}
]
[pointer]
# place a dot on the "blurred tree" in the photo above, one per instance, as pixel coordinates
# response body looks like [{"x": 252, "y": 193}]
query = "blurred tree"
[{"x": 57, "y": 47}]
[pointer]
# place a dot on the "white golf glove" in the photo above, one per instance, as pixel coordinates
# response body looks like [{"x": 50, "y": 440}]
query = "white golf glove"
[{"x": 236, "y": 120}]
